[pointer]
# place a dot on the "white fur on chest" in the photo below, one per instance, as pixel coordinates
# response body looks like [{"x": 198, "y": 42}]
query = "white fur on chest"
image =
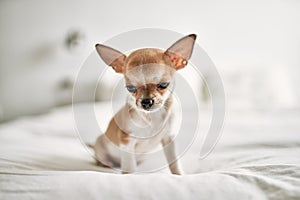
[{"x": 150, "y": 128}]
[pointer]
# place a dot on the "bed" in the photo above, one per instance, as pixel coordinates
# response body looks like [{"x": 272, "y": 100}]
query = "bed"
[{"x": 257, "y": 157}]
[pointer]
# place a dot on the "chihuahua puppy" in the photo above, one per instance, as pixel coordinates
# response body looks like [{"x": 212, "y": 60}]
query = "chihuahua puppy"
[{"x": 149, "y": 116}]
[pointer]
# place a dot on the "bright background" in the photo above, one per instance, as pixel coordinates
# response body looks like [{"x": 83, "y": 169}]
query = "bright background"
[{"x": 254, "y": 44}]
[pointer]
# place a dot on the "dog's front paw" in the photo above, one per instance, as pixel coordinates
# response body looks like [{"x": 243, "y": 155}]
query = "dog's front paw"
[
  {"x": 126, "y": 172},
  {"x": 176, "y": 169},
  {"x": 179, "y": 172}
]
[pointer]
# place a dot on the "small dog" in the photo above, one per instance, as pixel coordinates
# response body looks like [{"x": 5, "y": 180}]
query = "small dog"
[{"x": 148, "y": 118}]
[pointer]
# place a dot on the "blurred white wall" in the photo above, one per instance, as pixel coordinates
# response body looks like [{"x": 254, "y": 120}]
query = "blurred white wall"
[{"x": 36, "y": 69}]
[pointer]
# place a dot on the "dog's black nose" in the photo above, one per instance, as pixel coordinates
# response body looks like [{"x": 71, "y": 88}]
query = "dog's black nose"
[{"x": 147, "y": 103}]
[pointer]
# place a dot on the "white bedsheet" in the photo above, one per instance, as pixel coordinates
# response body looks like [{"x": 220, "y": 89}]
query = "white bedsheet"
[{"x": 257, "y": 157}]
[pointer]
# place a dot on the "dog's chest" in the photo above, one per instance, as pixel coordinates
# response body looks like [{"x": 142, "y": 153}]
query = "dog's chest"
[
  {"x": 146, "y": 126},
  {"x": 149, "y": 130}
]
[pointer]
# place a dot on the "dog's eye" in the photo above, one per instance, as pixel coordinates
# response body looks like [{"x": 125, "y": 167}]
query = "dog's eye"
[
  {"x": 162, "y": 85},
  {"x": 131, "y": 88}
]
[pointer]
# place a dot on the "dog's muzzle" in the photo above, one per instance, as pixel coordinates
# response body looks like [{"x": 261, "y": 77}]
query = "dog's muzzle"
[{"x": 147, "y": 103}]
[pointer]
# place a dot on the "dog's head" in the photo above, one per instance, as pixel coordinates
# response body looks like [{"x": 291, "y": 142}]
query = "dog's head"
[{"x": 149, "y": 72}]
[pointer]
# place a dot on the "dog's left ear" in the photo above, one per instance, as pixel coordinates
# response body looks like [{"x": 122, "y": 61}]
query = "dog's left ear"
[{"x": 180, "y": 52}]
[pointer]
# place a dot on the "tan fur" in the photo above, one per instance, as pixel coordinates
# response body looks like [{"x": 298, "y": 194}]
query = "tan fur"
[
  {"x": 144, "y": 56},
  {"x": 115, "y": 134}
]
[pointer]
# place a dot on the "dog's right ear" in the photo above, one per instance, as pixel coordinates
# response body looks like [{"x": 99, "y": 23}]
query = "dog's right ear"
[{"x": 111, "y": 57}]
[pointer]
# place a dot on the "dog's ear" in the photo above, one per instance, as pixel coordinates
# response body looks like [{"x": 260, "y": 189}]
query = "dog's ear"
[
  {"x": 111, "y": 57},
  {"x": 180, "y": 52}
]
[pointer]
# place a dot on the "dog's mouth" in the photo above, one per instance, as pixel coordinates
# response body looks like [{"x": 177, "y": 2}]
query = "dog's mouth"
[
  {"x": 149, "y": 109},
  {"x": 147, "y": 105}
]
